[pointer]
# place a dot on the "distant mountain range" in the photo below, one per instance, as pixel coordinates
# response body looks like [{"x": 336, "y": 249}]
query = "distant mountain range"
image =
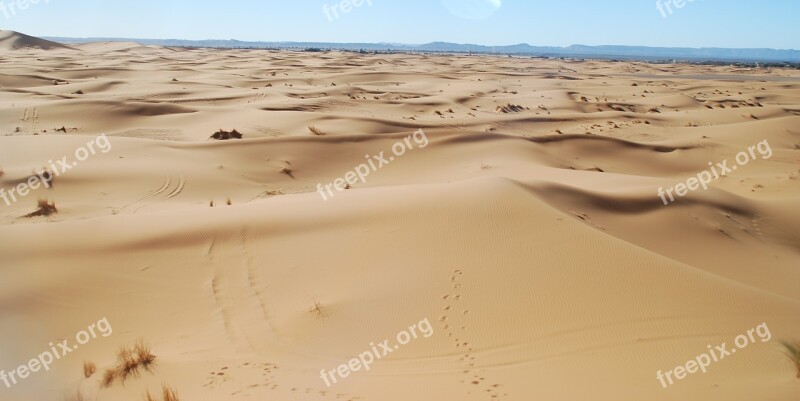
[{"x": 578, "y": 51}]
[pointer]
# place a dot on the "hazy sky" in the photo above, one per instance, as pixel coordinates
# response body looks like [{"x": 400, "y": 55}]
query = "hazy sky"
[{"x": 699, "y": 23}]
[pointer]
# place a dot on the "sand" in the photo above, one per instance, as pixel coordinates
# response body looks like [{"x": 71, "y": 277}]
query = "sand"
[{"x": 529, "y": 231}]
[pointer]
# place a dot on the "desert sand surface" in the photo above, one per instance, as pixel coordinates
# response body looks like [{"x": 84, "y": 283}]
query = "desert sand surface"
[{"x": 528, "y": 230}]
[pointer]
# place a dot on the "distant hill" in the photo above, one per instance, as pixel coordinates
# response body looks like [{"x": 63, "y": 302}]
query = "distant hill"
[
  {"x": 581, "y": 51},
  {"x": 10, "y": 40}
]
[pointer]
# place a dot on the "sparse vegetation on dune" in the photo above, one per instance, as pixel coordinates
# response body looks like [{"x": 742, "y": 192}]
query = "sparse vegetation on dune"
[
  {"x": 170, "y": 394},
  {"x": 89, "y": 369},
  {"x": 108, "y": 378},
  {"x": 144, "y": 355},
  {"x": 129, "y": 361},
  {"x": 318, "y": 309},
  {"x": 128, "y": 365},
  {"x": 223, "y": 135},
  {"x": 316, "y": 131},
  {"x": 793, "y": 353},
  {"x": 44, "y": 208},
  {"x": 510, "y": 108}
]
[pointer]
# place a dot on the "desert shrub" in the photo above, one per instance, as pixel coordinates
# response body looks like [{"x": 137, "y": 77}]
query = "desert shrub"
[
  {"x": 223, "y": 135},
  {"x": 44, "y": 208}
]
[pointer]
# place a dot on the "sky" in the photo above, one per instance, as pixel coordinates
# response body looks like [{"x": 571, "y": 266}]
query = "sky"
[{"x": 698, "y": 23}]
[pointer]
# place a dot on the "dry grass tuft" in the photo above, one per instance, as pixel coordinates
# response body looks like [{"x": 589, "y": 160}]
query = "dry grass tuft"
[
  {"x": 108, "y": 378},
  {"x": 128, "y": 364},
  {"x": 144, "y": 355},
  {"x": 44, "y": 208},
  {"x": 316, "y": 131},
  {"x": 89, "y": 369},
  {"x": 318, "y": 309},
  {"x": 170, "y": 394},
  {"x": 129, "y": 360},
  {"x": 793, "y": 353}
]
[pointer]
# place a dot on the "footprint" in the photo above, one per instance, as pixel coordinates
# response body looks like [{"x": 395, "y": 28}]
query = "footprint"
[{"x": 468, "y": 361}]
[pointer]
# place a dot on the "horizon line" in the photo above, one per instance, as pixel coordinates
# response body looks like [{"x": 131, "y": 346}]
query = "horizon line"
[{"x": 417, "y": 44}]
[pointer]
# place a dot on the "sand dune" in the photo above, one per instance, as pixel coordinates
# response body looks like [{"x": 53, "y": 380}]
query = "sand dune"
[
  {"x": 10, "y": 40},
  {"x": 528, "y": 230}
]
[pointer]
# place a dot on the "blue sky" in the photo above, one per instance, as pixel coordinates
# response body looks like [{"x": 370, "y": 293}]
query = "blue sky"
[{"x": 699, "y": 23}]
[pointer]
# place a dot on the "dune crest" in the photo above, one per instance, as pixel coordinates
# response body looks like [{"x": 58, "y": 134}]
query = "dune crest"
[{"x": 11, "y": 40}]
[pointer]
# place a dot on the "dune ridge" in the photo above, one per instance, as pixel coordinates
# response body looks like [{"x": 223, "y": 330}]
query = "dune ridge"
[{"x": 11, "y": 40}]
